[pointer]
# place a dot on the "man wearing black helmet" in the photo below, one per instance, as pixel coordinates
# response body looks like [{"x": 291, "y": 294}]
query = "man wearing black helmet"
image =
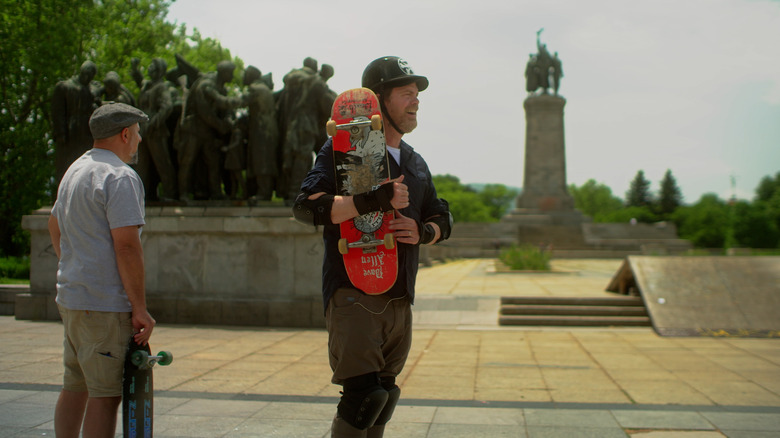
[{"x": 369, "y": 336}]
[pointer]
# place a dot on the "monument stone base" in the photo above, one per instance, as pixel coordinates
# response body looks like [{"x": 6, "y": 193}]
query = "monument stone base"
[
  {"x": 548, "y": 229},
  {"x": 251, "y": 266}
]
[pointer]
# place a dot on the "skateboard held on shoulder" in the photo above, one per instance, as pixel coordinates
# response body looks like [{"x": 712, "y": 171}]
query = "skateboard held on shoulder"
[
  {"x": 138, "y": 389},
  {"x": 360, "y": 158}
]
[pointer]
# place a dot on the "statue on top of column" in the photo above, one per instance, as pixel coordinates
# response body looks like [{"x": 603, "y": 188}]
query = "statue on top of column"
[{"x": 543, "y": 70}]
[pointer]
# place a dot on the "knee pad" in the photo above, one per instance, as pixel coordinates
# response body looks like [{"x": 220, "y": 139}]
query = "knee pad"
[
  {"x": 362, "y": 400},
  {"x": 393, "y": 394}
]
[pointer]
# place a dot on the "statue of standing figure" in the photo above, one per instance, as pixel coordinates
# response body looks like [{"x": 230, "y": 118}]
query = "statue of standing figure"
[
  {"x": 72, "y": 103},
  {"x": 114, "y": 91},
  {"x": 262, "y": 133},
  {"x": 543, "y": 70},
  {"x": 155, "y": 162},
  {"x": 304, "y": 103},
  {"x": 208, "y": 124}
]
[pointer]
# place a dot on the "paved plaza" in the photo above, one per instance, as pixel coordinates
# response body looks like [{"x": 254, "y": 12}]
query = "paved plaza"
[{"x": 465, "y": 377}]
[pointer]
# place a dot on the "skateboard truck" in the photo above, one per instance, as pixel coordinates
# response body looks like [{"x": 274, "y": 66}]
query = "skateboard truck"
[
  {"x": 143, "y": 360},
  {"x": 357, "y": 123},
  {"x": 367, "y": 242}
]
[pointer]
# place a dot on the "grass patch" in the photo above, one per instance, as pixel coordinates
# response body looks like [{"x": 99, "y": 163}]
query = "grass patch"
[
  {"x": 15, "y": 268},
  {"x": 4, "y": 280},
  {"x": 525, "y": 258}
]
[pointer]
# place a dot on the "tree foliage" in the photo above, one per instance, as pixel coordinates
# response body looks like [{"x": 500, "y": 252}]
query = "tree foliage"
[
  {"x": 768, "y": 188},
  {"x": 498, "y": 198},
  {"x": 638, "y": 194},
  {"x": 594, "y": 199},
  {"x": 709, "y": 223},
  {"x": 670, "y": 196},
  {"x": 45, "y": 41},
  {"x": 42, "y": 41},
  {"x": 706, "y": 223},
  {"x": 470, "y": 205}
]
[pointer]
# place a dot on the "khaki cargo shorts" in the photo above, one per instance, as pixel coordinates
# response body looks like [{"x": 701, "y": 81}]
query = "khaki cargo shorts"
[
  {"x": 367, "y": 333},
  {"x": 94, "y": 350}
]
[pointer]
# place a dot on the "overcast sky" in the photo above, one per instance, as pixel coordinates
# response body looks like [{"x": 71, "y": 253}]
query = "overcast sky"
[{"x": 687, "y": 85}]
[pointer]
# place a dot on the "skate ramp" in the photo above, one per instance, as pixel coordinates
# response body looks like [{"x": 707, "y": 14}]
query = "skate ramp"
[{"x": 705, "y": 296}]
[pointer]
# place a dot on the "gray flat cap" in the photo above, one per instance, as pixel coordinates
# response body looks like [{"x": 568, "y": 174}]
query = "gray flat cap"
[{"x": 112, "y": 117}]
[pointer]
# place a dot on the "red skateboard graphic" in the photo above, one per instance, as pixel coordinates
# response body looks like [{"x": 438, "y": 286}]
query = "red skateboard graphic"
[{"x": 360, "y": 158}]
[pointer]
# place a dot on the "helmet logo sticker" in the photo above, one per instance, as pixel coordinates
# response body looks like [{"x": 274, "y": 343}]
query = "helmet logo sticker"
[{"x": 405, "y": 67}]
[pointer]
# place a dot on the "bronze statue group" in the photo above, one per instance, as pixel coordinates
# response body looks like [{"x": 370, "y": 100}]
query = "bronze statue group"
[
  {"x": 200, "y": 143},
  {"x": 543, "y": 70}
]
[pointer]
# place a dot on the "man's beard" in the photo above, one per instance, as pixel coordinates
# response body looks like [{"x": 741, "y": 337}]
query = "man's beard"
[{"x": 408, "y": 126}]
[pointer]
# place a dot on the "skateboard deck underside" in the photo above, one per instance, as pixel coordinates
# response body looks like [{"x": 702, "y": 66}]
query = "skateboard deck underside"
[
  {"x": 137, "y": 397},
  {"x": 360, "y": 158}
]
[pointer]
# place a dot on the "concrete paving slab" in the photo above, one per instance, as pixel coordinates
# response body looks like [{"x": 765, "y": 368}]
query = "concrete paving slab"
[
  {"x": 471, "y": 416},
  {"x": 662, "y": 420},
  {"x": 748, "y": 434},
  {"x": 473, "y": 430},
  {"x": 570, "y": 417},
  {"x": 461, "y": 378},
  {"x": 574, "y": 432},
  {"x": 744, "y": 421},
  {"x": 676, "y": 434}
]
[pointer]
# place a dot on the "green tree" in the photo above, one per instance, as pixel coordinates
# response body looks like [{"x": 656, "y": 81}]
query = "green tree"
[
  {"x": 498, "y": 198},
  {"x": 45, "y": 41},
  {"x": 705, "y": 224},
  {"x": 595, "y": 199},
  {"x": 42, "y": 42},
  {"x": 670, "y": 196},
  {"x": 638, "y": 194},
  {"x": 756, "y": 225},
  {"x": 768, "y": 187},
  {"x": 466, "y": 206},
  {"x": 447, "y": 183},
  {"x": 465, "y": 203}
]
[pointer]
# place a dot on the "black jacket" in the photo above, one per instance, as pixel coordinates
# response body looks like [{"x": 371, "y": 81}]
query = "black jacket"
[{"x": 423, "y": 204}]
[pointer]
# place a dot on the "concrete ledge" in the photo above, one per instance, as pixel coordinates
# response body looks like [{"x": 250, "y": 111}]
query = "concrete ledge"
[
  {"x": 36, "y": 307},
  {"x": 222, "y": 265},
  {"x": 8, "y": 294}
]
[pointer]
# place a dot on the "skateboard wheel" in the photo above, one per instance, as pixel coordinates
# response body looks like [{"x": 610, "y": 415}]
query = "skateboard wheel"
[
  {"x": 331, "y": 128},
  {"x": 343, "y": 246},
  {"x": 389, "y": 241},
  {"x": 165, "y": 358},
  {"x": 376, "y": 122},
  {"x": 139, "y": 358}
]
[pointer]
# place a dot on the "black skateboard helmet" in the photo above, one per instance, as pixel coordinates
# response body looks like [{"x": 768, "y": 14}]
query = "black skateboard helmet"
[{"x": 391, "y": 71}]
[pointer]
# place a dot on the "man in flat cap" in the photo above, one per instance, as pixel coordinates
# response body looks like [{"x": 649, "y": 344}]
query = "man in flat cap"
[{"x": 95, "y": 228}]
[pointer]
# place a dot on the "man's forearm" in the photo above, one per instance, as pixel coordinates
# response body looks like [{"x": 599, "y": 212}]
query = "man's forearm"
[
  {"x": 343, "y": 209},
  {"x": 54, "y": 233},
  {"x": 130, "y": 262}
]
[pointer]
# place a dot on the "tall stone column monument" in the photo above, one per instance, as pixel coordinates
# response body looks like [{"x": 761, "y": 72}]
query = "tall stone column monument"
[
  {"x": 544, "y": 178},
  {"x": 545, "y": 213}
]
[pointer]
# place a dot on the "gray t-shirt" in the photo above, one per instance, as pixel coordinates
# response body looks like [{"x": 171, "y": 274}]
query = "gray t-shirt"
[{"x": 98, "y": 193}]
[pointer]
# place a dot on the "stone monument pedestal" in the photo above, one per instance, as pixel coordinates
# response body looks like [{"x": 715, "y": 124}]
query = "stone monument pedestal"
[
  {"x": 545, "y": 213},
  {"x": 207, "y": 265},
  {"x": 544, "y": 177}
]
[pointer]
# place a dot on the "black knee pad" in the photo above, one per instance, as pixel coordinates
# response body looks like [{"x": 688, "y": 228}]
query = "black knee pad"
[
  {"x": 362, "y": 400},
  {"x": 393, "y": 394}
]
